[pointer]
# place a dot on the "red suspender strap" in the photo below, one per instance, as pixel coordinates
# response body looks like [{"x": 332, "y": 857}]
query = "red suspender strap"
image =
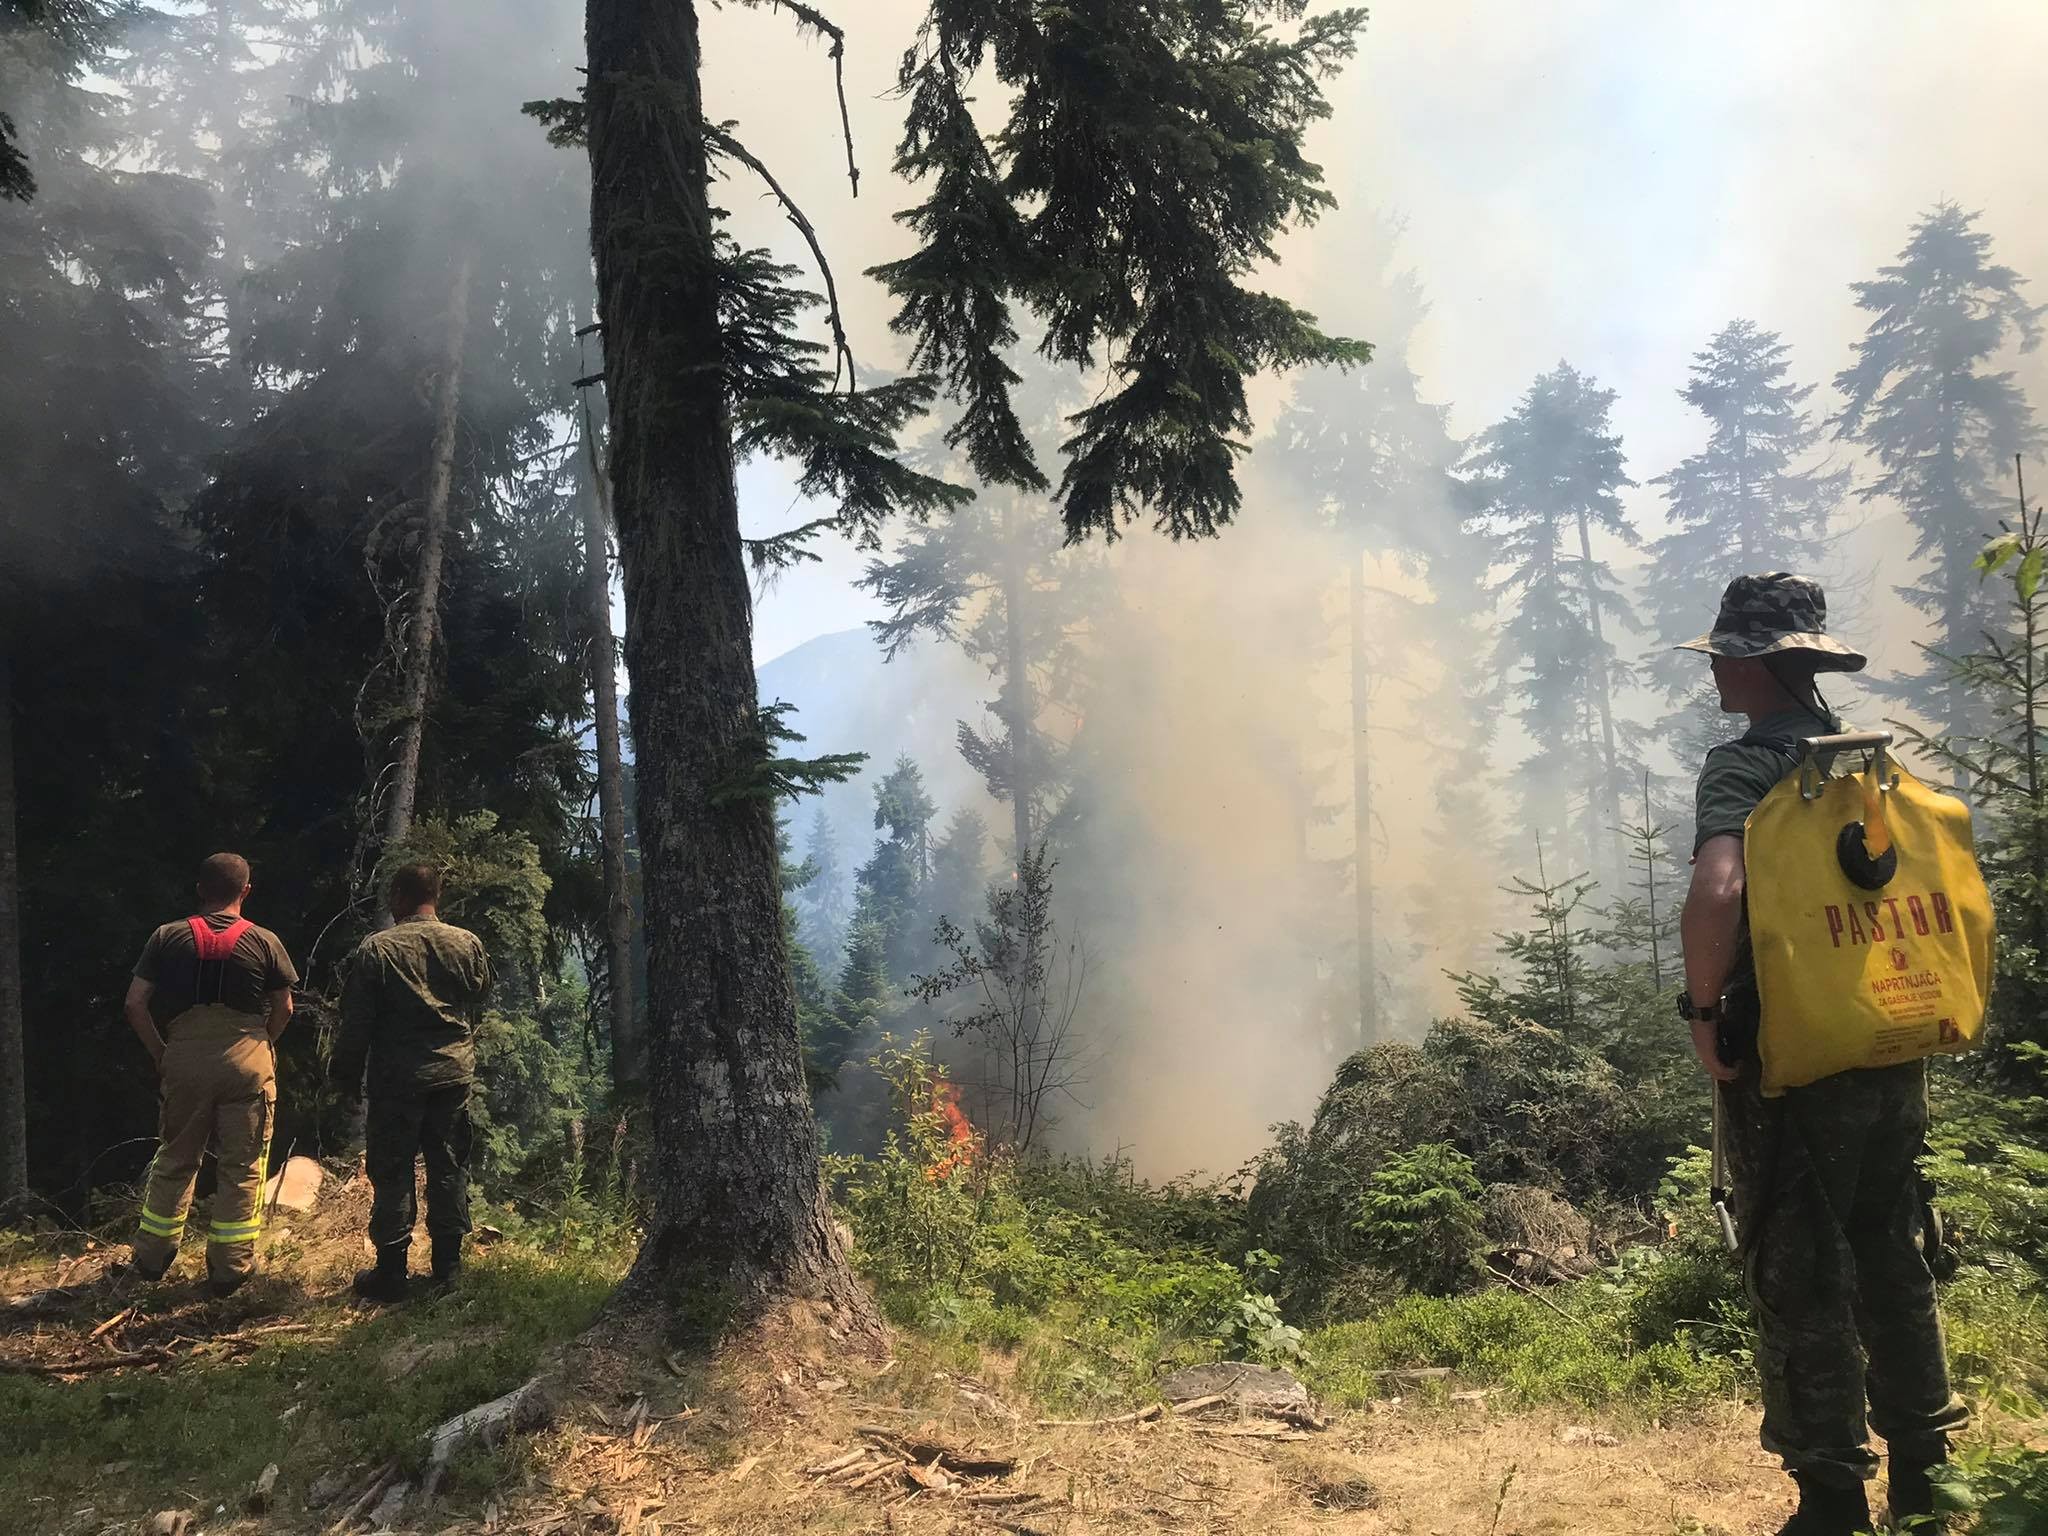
[
  {"x": 217, "y": 946},
  {"x": 214, "y": 948}
]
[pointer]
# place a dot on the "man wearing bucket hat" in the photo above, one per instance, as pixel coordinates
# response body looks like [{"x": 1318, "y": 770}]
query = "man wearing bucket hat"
[{"x": 1826, "y": 1181}]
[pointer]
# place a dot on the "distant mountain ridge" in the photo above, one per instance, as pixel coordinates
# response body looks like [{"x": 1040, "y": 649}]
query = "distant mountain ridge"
[{"x": 847, "y": 698}]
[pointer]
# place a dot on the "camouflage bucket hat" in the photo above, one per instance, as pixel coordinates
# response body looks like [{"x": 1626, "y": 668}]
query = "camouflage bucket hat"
[{"x": 1770, "y": 614}]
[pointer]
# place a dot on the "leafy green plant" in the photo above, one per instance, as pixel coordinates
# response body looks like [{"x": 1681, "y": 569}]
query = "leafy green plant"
[
  {"x": 1420, "y": 1218},
  {"x": 2003, "y": 1489}
]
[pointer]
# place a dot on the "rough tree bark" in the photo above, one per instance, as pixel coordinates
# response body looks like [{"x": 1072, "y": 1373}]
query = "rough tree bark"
[
  {"x": 419, "y": 645},
  {"x": 1361, "y": 811},
  {"x": 739, "y": 1214},
  {"x": 13, "y": 1073},
  {"x": 629, "y": 1049}
]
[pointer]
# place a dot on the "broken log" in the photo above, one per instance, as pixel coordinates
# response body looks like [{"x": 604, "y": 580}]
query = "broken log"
[{"x": 525, "y": 1407}]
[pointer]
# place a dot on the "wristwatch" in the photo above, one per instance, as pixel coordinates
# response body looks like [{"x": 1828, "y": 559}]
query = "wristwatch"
[{"x": 1692, "y": 1013}]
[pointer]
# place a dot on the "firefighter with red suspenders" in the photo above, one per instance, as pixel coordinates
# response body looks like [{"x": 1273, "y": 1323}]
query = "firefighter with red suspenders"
[{"x": 210, "y": 996}]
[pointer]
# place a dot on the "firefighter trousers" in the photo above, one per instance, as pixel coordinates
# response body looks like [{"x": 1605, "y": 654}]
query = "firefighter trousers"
[{"x": 219, "y": 1086}]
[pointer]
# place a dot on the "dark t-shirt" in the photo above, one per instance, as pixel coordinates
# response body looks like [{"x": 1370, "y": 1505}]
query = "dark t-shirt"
[
  {"x": 257, "y": 967},
  {"x": 1733, "y": 782}
]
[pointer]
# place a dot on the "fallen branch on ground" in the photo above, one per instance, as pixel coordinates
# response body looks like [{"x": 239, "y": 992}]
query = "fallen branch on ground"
[
  {"x": 379, "y": 1480},
  {"x": 1139, "y": 1417},
  {"x": 113, "y": 1322},
  {"x": 91, "y": 1363},
  {"x": 884, "y": 1470},
  {"x": 948, "y": 1458},
  {"x": 525, "y": 1407},
  {"x": 836, "y": 1463}
]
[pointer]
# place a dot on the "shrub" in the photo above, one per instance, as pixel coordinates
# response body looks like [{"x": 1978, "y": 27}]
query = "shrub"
[
  {"x": 1574, "y": 1351},
  {"x": 1420, "y": 1218},
  {"x": 973, "y": 1244}
]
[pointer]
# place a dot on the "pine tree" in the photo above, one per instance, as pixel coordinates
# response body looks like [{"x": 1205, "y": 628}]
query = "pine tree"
[
  {"x": 1381, "y": 466},
  {"x": 893, "y": 880},
  {"x": 1925, "y": 400},
  {"x": 959, "y": 879},
  {"x": 864, "y": 991},
  {"x": 824, "y": 905},
  {"x": 1748, "y": 501},
  {"x": 102, "y": 387},
  {"x": 404, "y": 519},
  {"x": 628, "y": 1039},
  {"x": 996, "y": 578},
  {"x": 1551, "y": 474},
  {"x": 1193, "y": 93},
  {"x": 210, "y": 91}
]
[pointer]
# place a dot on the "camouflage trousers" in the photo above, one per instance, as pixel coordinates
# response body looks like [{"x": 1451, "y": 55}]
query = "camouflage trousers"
[
  {"x": 403, "y": 1129},
  {"x": 1827, "y": 1195}
]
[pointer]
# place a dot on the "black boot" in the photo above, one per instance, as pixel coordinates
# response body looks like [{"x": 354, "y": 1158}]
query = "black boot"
[
  {"x": 447, "y": 1258},
  {"x": 1827, "y": 1509},
  {"x": 1913, "y": 1498},
  {"x": 387, "y": 1281}
]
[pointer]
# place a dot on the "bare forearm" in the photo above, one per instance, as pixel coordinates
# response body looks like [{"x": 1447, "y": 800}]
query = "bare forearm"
[
  {"x": 279, "y": 1016},
  {"x": 1708, "y": 932},
  {"x": 144, "y": 1025}
]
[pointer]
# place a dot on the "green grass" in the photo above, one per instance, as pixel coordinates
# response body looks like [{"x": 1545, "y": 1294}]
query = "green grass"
[
  {"x": 369, "y": 1391},
  {"x": 1504, "y": 1339}
]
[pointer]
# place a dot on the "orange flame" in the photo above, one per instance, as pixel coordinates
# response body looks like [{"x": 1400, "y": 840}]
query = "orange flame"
[{"x": 960, "y": 1135}]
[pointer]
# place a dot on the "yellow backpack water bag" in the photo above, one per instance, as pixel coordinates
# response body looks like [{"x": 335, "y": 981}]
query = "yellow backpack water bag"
[{"x": 1868, "y": 917}]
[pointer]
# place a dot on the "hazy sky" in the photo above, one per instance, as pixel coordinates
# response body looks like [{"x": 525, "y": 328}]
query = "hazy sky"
[{"x": 1600, "y": 180}]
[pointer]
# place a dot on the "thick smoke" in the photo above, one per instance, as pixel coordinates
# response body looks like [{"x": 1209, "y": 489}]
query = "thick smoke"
[{"x": 1602, "y": 182}]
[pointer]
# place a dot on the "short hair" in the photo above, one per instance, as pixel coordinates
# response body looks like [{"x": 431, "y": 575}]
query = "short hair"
[
  {"x": 223, "y": 877},
  {"x": 414, "y": 886}
]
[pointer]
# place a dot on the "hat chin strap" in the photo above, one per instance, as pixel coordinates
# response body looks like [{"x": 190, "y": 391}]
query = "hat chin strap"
[{"x": 1826, "y": 711}]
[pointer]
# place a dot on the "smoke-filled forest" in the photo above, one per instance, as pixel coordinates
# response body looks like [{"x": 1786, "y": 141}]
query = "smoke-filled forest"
[{"x": 1041, "y": 641}]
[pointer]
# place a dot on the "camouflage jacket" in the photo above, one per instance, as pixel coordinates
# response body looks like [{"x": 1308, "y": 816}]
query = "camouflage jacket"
[{"x": 410, "y": 1007}]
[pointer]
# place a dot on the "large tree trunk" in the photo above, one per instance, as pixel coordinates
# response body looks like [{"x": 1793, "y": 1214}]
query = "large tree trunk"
[
  {"x": 419, "y": 647},
  {"x": 1361, "y": 812},
  {"x": 629, "y": 1048},
  {"x": 739, "y": 1213},
  {"x": 13, "y": 1071}
]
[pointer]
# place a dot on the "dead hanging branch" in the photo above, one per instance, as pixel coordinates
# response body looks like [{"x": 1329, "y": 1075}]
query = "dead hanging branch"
[
  {"x": 720, "y": 141},
  {"x": 809, "y": 19}
]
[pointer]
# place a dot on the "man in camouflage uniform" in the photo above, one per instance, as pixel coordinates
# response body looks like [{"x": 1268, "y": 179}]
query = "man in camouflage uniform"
[
  {"x": 209, "y": 997},
  {"x": 1826, "y": 1183},
  {"x": 409, "y": 1011}
]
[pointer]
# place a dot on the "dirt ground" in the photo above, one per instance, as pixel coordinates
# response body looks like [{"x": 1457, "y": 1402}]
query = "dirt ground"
[{"x": 746, "y": 1460}]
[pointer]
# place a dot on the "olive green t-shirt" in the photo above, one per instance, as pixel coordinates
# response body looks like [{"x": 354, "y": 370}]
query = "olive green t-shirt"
[
  {"x": 1738, "y": 774},
  {"x": 255, "y": 968},
  {"x": 1733, "y": 782}
]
